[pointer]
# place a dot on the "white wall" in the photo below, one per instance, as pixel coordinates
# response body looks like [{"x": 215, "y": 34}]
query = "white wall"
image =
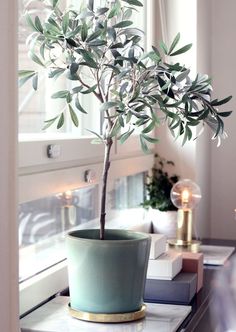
[
  {"x": 203, "y": 144},
  {"x": 8, "y": 141},
  {"x": 215, "y": 53},
  {"x": 193, "y": 160},
  {"x": 166, "y": 29},
  {"x": 223, "y": 159}
]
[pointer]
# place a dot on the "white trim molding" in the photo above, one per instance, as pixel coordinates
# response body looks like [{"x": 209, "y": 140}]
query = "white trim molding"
[{"x": 9, "y": 320}]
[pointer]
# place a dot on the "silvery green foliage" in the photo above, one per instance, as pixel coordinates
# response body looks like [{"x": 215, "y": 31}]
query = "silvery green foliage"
[{"x": 99, "y": 50}]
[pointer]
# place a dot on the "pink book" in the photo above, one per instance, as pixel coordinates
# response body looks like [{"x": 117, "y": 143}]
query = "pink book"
[{"x": 193, "y": 262}]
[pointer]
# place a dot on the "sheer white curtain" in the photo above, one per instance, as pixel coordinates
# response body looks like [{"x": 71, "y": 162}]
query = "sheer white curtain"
[{"x": 8, "y": 148}]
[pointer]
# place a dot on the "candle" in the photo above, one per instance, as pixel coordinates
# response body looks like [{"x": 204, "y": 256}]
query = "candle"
[{"x": 185, "y": 196}]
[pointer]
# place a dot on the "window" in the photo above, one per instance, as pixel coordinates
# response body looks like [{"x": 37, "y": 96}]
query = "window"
[
  {"x": 129, "y": 191},
  {"x": 44, "y": 222},
  {"x": 37, "y": 106},
  {"x": 54, "y": 196}
]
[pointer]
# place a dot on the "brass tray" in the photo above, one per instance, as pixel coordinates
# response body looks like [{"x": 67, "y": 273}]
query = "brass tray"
[{"x": 108, "y": 318}]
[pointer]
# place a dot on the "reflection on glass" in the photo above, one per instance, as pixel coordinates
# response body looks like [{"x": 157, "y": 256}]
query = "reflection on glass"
[
  {"x": 44, "y": 222},
  {"x": 129, "y": 191}
]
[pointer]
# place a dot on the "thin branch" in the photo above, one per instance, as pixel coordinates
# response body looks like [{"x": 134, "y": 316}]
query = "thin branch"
[{"x": 98, "y": 95}]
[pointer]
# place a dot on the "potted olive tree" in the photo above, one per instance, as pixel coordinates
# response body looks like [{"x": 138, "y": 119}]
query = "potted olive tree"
[
  {"x": 161, "y": 211},
  {"x": 98, "y": 49}
]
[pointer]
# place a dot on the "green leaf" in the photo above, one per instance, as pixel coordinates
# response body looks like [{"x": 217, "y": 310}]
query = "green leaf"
[
  {"x": 194, "y": 83},
  {"x": 42, "y": 50},
  {"x": 128, "y": 13},
  {"x": 69, "y": 98},
  {"x": 91, "y": 5},
  {"x": 121, "y": 120},
  {"x": 54, "y": 3},
  {"x": 101, "y": 11},
  {"x": 54, "y": 23},
  {"x": 221, "y": 102},
  {"x": 117, "y": 45},
  {"x": 174, "y": 43},
  {"x": 61, "y": 121},
  {"x": 115, "y": 10},
  {"x": 77, "y": 89},
  {"x": 73, "y": 116},
  {"x": 107, "y": 105},
  {"x": 183, "y": 75},
  {"x": 143, "y": 144},
  {"x": 35, "y": 58},
  {"x": 55, "y": 73},
  {"x": 94, "y": 35},
  {"x": 92, "y": 89},
  {"x": 52, "y": 30},
  {"x": 84, "y": 32},
  {"x": 150, "y": 139},
  {"x": 136, "y": 94},
  {"x": 88, "y": 58},
  {"x": 128, "y": 117},
  {"x": 149, "y": 128},
  {"x": 123, "y": 24},
  {"x": 73, "y": 68},
  {"x": 71, "y": 77},
  {"x": 224, "y": 114},
  {"x": 65, "y": 23},
  {"x": 38, "y": 24},
  {"x": 79, "y": 107},
  {"x": 60, "y": 94},
  {"x": 30, "y": 22},
  {"x": 97, "y": 42},
  {"x": 96, "y": 134},
  {"x": 155, "y": 118},
  {"x": 35, "y": 82},
  {"x": 114, "y": 68},
  {"x": 134, "y": 2},
  {"x": 24, "y": 78},
  {"x": 122, "y": 138},
  {"x": 182, "y": 50},
  {"x": 49, "y": 122},
  {"x": 164, "y": 47},
  {"x": 74, "y": 32},
  {"x": 187, "y": 135},
  {"x": 156, "y": 51},
  {"x": 26, "y": 73},
  {"x": 115, "y": 129},
  {"x": 111, "y": 33}
]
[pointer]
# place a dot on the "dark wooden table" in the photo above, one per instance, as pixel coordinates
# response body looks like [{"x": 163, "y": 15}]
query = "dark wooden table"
[{"x": 200, "y": 319}]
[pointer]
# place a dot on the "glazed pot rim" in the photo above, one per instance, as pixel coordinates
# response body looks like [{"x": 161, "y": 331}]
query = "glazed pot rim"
[{"x": 140, "y": 236}]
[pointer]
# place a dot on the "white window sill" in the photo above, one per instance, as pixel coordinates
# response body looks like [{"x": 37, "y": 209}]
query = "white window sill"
[{"x": 54, "y": 317}]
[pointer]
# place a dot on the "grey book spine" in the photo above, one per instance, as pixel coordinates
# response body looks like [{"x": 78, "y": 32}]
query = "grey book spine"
[{"x": 180, "y": 290}]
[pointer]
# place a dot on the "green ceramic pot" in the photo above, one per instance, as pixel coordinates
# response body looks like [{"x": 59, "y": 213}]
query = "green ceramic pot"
[{"x": 107, "y": 276}]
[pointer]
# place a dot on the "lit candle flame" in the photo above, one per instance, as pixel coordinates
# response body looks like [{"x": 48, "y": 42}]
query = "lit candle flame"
[
  {"x": 185, "y": 196},
  {"x": 68, "y": 194}
]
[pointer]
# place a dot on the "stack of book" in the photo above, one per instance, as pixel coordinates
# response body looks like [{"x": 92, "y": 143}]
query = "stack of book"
[{"x": 172, "y": 277}]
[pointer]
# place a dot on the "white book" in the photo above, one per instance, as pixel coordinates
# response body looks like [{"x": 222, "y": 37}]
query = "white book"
[
  {"x": 158, "y": 245},
  {"x": 165, "y": 267},
  {"x": 216, "y": 255}
]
